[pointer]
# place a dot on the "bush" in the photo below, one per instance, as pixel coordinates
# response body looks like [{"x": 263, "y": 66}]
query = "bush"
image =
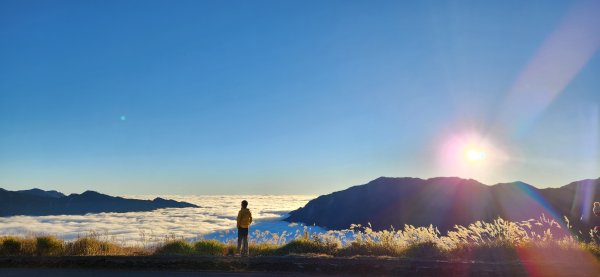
[
  {"x": 177, "y": 247},
  {"x": 263, "y": 249},
  {"x": 13, "y": 246},
  {"x": 302, "y": 246},
  {"x": 592, "y": 248},
  {"x": 490, "y": 251},
  {"x": 373, "y": 249},
  {"x": 423, "y": 250},
  {"x": 88, "y": 246},
  {"x": 231, "y": 249},
  {"x": 210, "y": 247},
  {"x": 49, "y": 246}
]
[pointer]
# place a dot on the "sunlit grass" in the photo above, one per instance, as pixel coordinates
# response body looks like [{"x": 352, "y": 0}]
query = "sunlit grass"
[
  {"x": 176, "y": 247},
  {"x": 499, "y": 240},
  {"x": 49, "y": 246},
  {"x": 210, "y": 247}
]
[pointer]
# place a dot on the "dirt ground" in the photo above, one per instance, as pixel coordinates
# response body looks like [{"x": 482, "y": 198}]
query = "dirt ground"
[{"x": 320, "y": 265}]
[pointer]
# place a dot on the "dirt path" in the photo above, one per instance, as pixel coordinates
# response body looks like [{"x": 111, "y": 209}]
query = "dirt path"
[
  {"x": 372, "y": 266},
  {"x": 62, "y": 272}
]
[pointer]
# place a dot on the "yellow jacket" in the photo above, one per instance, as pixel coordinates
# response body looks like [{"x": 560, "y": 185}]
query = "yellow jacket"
[{"x": 244, "y": 218}]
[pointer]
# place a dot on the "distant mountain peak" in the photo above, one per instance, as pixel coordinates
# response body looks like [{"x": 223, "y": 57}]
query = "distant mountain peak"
[
  {"x": 91, "y": 192},
  {"x": 39, "y": 202},
  {"x": 389, "y": 180},
  {"x": 42, "y": 193},
  {"x": 514, "y": 184},
  {"x": 586, "y": 181},
  {"x": 453, "y": 179}
]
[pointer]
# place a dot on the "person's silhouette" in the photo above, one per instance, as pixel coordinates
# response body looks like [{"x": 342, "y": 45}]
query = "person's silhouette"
[{"x": 244, "y": 219}]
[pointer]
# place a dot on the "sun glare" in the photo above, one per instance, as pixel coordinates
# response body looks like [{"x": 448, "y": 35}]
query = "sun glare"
[
  {"x": 469, "y": 154},
  {"x": 475, "y": 155}
]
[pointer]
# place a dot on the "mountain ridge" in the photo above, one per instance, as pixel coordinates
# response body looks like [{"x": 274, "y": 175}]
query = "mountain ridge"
[
  {"x": 446, "y": 202},
  {"x": 40, "y": 192},
  {"x": 37, "y": 202}
]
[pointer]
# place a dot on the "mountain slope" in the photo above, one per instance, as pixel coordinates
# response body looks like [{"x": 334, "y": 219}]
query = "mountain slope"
[
  {"x": 38, "y": 202},
  {"x": 445, "y": 202}
]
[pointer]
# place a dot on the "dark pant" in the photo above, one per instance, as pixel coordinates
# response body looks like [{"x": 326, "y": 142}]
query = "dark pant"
[{"x": 243, "y": 241}]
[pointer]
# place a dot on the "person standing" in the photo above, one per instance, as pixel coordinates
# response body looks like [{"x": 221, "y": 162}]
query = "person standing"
[{"x": 244, "y": 219}]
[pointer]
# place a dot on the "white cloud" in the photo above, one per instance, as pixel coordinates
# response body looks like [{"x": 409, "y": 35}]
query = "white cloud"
[{"x": 216, "y": 213}]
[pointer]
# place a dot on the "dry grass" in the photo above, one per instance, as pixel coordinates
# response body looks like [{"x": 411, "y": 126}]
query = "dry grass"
[
  {"x": 210, "y": 247},
  {"x": 49, "y": 246},
  {"x": 176, "y": 247},
  {"x": 17, "y": 246},
  {"x": 90, "y": 245},
  {"x": 494, "y": 241}
]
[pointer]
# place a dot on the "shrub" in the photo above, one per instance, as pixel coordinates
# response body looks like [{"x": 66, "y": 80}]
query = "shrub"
[
  {"x": 301, "y": 246},
  {"x": 49, "y": 246},
  {"x": 592, "y": 248},
  {"x": 11, "y": 247},
  {"x": 423, "y": 250},
  {"x": 231, "y": 249},
  {"x": 559, "y": 250},
  {"x": 210, "y": 247},
  {"x": 371, "y": 249},
  {"x": 15, "y": 246},
  {"x": 263, "y": 249},
  {"x": 177, "y": 247},
  {"x": 488, "y": 251},
  {"x": 88, "y": 246}
]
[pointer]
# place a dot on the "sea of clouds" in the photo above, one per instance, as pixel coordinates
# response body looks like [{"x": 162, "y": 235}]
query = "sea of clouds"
[{"x": 214, "y": 219}]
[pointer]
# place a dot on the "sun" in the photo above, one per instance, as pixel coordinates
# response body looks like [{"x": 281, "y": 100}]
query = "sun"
[{"x": 476, "y": 155}]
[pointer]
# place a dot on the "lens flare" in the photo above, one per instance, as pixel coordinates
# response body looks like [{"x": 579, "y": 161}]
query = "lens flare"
[
  {"x": 469, "y": 154},
  {"x": 557, "y": 62},
  {"x": 475, "y": 155}
]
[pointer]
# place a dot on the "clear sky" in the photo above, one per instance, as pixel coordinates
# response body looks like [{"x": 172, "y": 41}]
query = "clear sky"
[{"x": 295, "y": 97}]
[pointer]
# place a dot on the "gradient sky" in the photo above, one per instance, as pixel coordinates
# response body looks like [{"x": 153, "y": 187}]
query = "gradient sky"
[{"x": 295, "y": 97}]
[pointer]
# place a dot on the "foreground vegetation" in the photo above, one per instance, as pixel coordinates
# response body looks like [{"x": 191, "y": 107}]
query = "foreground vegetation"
[{"x": 498, "y": 240}]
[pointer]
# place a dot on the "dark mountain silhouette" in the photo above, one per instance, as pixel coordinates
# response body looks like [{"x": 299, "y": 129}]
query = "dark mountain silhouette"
[
  {"x": 448, "y": 201},
  {"x": 38, "y": 202},
  {"x": 39, "y": 192}
]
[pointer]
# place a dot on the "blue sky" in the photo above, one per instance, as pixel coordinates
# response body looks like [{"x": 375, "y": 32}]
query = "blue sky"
[{"x": 298, "y": 97}]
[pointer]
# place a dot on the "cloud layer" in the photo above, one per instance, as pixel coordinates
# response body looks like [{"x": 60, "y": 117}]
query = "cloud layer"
[{"x": 215, "y": 215}]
